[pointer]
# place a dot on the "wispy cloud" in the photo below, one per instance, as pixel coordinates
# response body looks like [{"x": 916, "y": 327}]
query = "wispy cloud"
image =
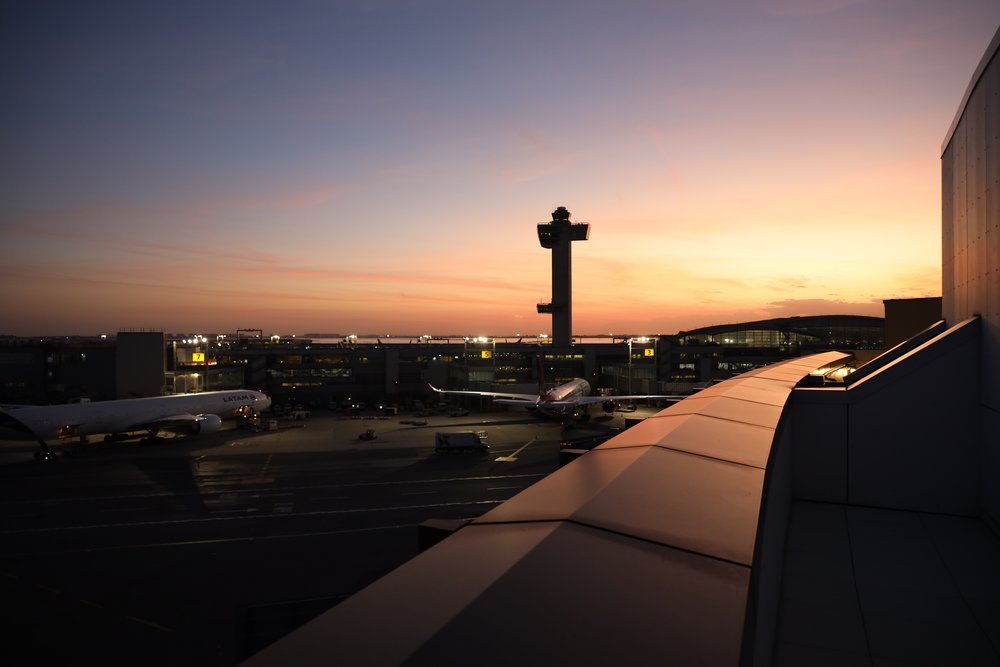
[
  {"x": 800, "y": 307},
  {"x": 410, "y": 276},
  {"x": 803, "y": 8},
  {"x": 146, "y": 248},
  {"x": 788, "y": 283},
  {"x": 267, "y": 199}
]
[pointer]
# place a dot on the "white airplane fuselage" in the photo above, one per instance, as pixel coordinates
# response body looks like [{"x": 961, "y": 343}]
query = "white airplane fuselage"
[
  {"x": 565, "y": 392},
  {"x": 125, "y": 415}
]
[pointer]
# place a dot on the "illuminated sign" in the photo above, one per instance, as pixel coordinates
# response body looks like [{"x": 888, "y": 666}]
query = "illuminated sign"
[
  {"x": 648, "y": 352},
  {"x": 198, "y": 357},
  {"x": 486, "y": 354}
]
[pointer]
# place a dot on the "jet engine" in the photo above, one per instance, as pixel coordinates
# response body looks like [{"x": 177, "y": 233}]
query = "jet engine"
[
  {"x": 206, "y": 424},
  {"x": 608, "y": 406}
]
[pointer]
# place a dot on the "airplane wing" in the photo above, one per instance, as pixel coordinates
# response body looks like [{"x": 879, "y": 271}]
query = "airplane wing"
[
  {"x": 173, "y": 421},
  {"x": 529, "y": 399},
  {"x": 590, "y": 400},
  {"x": 182, "y": 423},
  {"x": 518, "y": 402},
  {"x": 10, "y": 423}
]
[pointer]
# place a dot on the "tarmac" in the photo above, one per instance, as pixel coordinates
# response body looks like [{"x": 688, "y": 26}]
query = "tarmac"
[{"x": 201, "y": 551}]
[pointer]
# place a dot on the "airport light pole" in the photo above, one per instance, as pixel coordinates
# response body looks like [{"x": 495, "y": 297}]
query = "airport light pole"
[
  {"x": 629, "y": 366},
  {"x": 656, "y": 362}
]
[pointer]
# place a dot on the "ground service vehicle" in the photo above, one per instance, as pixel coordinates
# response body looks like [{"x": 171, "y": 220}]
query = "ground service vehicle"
[{"x": 463, "y": 441}]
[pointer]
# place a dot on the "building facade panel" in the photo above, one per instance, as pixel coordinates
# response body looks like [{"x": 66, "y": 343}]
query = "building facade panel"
[
  {"x": 913, "y": 450},
  {"x": 978, "y": 149},
  {"x": 141, "y": 363},
  {"x": 971, "y": 241},
  {"x": 819, "y": 429},
  {"x": 947, "y": 231},
  {"x": 956, "y": 251},
  {"x": 991, "y": 236}
]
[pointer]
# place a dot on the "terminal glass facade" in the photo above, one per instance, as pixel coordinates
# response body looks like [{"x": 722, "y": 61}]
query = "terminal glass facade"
[{"x": 761, "y": 338}]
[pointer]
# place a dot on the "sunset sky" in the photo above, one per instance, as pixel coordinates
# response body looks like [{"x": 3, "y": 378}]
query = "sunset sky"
[{"x": 379, "y": 166}]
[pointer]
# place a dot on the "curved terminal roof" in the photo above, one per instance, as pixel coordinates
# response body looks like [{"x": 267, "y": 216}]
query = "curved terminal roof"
[
  {"x": 643, "y": 547},
  {"x": 804, "y": 324}
]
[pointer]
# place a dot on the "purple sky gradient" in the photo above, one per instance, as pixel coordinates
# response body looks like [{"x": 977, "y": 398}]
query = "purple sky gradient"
[{"x": 379, "y": 166}]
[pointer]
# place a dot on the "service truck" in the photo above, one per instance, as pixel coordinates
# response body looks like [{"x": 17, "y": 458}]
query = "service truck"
[{"x": 461, "y": 441}]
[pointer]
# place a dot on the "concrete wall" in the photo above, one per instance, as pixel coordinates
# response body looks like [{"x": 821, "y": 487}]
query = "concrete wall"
[
  {"x": 141, "y": 363},
  {"x": 819, "y": 430},
  {"x": 907, "y": 317},
  {"x": 970, "y": 202},
  {"x": 905, "y": 437},
  {"x": 769, "y": 554},
  {"x": 391, "y": 373},
  {"x": 913, "y": 431}
]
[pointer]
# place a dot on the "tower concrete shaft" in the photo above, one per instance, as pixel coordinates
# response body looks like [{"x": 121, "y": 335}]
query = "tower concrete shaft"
[{"x": 558, "y": 236}]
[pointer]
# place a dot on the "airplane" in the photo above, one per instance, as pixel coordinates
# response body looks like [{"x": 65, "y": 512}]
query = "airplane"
[
  {"x": 186, "y": 413},
  {"x": 567, "y": 397}
]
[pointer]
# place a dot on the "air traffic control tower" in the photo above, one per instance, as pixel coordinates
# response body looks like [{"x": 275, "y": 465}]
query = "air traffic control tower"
[{"x": 557, "y": 237}]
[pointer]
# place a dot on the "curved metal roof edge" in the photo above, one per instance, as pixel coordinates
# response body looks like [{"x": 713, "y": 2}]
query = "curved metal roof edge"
[
  {"x": 984, "y": 62},
  {"x": 314, "y": 632}
]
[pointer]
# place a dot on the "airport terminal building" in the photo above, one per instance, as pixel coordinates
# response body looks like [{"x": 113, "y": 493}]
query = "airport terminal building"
[{"x": 334, "y": 371}]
